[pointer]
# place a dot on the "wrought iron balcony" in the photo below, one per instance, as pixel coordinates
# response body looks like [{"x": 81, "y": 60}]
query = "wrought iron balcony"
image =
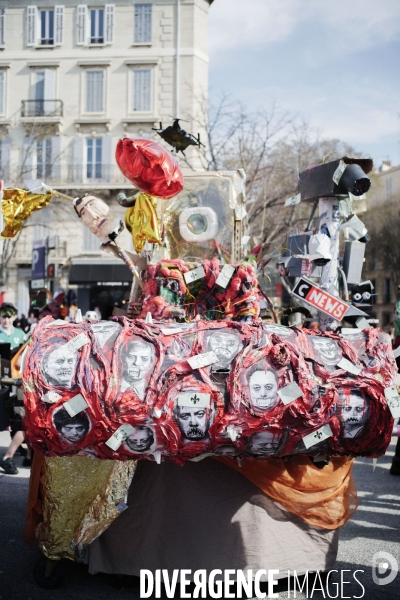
[{"x": 42, "y": 108}]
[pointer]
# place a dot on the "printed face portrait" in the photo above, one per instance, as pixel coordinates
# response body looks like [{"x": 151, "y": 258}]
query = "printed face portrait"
[
  {"x": 104, "y": 330},
  {"x": 226, "y": 345},
  {"x": 98, "y": 217},
  {"x": 140, "y": 440},
  {"x": 354, "y": 411},
  {"x": 137, "y": 360},
  {"x": 326, "y": 351},
  {"x": 263, "y": 387},
  {"x": 264, "y": 443},
  {"x": 71, "y": 429},
  {"x": 193, "y": 422},
  {"x": 226, "y": 451},
  {"x": 59, "y": 367}
]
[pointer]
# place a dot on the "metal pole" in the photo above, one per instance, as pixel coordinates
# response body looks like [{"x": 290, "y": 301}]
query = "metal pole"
[
  {"x": 177, "y": 58},
  {"x": 329, "y": 216}
]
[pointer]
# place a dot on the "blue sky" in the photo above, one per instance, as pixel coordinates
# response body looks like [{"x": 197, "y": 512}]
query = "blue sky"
[{"x": 335, "y": 63}]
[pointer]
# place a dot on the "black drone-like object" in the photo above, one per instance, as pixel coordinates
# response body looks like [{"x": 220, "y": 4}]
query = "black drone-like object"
[{"x": 177, "y": 137}]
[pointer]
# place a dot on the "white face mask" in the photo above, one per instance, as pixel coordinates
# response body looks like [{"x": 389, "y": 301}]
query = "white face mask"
[{"x": 98, "y": 218}]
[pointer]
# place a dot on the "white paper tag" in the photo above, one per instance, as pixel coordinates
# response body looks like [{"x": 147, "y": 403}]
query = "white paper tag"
[
  {"x": 57, "y": 322},
  {"x": 233, "y": 433},
  {"x": 348, "y": 366},
  {"x": 76, "y": 405},
  {"x": 194, "y": 399},
  {"x": 320, "y": 435},
  {"x": 76, "y": 343},
  {"x": 396, "y": 352},
  {"x": 362, "y": 323},
  {"x": 393, "y": 401},
  {"x": 350, "y": 331},
  {"x": 293, "y": 200},
  {"x": 225, "y": 276},
  {"x": 240, "y": 212},
  {"x": 339, "y": 172},
  {"x": 352, "y": 197},
  {"x": 119, "y": 436},
  {"x": 194, "y": 275},
  {"x": 51, "y": 397},
  {"x": 290, "y": 392},
  {"x": 171, "y": 330},
  {"x": 245, "y": 240},
  {"x": 157, "y": 456},
  {"x": 202, "y": 360}
]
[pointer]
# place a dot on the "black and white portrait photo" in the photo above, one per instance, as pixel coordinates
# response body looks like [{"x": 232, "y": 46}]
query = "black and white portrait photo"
[
  {"x": 193, "y": 422},
  {"x": 262, "y": 383},
  {"x": 225, "y": 344},
  {"x": 138, "y": 360},
  {"x": 140, "y": 440},
  {"x": 353, "y": 411},
  {"x": 326, "y": 351},
  {"x": 264, "y": 443},
  {"x": 71, "y": 429},
  {"x": 59, "y": 365},
  {"x": 104, "y": 331}
]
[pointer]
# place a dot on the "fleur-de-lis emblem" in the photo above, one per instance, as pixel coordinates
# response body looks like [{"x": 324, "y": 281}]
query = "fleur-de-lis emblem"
[
  {"x": 318, "y": 434},
  {"x": 194, "y": 399}
]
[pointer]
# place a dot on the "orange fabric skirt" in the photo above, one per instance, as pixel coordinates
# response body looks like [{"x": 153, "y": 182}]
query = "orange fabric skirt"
[{"x": 323, "y": 497}]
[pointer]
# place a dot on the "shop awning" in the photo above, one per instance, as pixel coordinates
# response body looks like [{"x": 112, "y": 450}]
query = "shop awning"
[{"x": 99, "y": 273}]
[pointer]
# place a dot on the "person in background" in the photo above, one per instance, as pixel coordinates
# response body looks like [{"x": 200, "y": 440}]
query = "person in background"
[
  {"x": 8, "y": 333},
  {"x": 22, "y": 323},
  {"x": 15, "y": 337}
]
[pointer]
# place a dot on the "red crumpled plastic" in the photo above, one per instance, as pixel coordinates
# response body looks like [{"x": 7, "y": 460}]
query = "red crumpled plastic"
[{"x": 150, "y": 167}]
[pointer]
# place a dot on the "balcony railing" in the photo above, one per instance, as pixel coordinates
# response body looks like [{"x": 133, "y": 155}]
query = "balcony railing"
[
  {"x": 42, "y": 108},
  {"x": 62, "y": 173}
]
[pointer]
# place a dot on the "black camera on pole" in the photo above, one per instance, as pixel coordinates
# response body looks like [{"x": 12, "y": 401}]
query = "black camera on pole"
[{"x": 335, "y": 178}]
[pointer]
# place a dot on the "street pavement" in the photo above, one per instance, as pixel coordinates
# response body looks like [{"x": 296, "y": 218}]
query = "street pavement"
[{"x": 374, "y": 528}]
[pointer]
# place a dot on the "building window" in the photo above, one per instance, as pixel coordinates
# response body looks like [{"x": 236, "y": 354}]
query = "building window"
[
  {"x": 43, "y": 159},
  {"x": 47, "y": 27},
  {"x": 2, "y": 90},
  {"x": 94, "y": 158},
  {"x": 91, "y": 242},
  {"x": 142, "y": 19},
  {"x": 94, "y": 91},
  {"x": 2, "y": 26},
  {"x": 97, "y": 25},
  {"x": 141, "y": 90},
  {"x": 386, "y": 291},
  {"x": 388, "y": 189}
]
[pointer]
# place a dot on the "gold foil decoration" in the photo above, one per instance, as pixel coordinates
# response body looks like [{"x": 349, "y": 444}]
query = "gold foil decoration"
[
  {"x": 17, "y": 205},
  {"x": 81, "y": 498},
  {"x": 142, "y": 222}
]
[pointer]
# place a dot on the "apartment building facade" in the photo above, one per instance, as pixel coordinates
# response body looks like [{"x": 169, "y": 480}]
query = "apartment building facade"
[
  {"x": 383, "y": 207},
  {"x": 74, "y": 79}
]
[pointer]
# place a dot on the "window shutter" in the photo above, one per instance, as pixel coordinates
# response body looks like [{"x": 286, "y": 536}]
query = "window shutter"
[
  {"x": 106, "y": 157},
  {"x": 94, "y": 91},
  {"x": 77, "y": 166},
  {"x": 142, "y": 19},
  {"x": 109, "y": 27},
  {"x": 2, "y": 86},
  {"x": 49, "y": 88},
  {"x": 27, "y": 159},
  {"x": 59, "y": 25},
  {"x": 56, "y": 157},
  {"x": 5, "y": 158},
  {"x": 2, "y": 26},
  {"x": 82, "y": 23},
  {"x": 142, "y": 90},
  {"x": 32, "y": 28}
]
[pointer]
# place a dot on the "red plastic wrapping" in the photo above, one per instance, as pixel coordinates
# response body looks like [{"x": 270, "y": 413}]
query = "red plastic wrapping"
[
  {"x": 167, "y": 294},
  {"x": 143, "y": 395},
  {"x": 150, "y": 167}
]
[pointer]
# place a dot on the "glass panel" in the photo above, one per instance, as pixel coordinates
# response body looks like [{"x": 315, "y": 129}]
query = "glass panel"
[{"x": 89, "y": 158}]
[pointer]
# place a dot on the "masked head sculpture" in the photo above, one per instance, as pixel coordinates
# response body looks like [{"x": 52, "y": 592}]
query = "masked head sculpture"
[{"x": 98, "y": 218}]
